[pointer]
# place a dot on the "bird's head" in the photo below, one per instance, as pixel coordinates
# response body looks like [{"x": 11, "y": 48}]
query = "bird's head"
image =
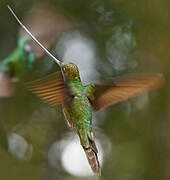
[{"x": 70, "y": 70}]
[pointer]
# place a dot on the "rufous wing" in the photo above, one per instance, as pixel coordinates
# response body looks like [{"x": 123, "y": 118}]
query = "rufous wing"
[
  {"x": 51, "y": 89},
  {"x": 103, "y": 95}
]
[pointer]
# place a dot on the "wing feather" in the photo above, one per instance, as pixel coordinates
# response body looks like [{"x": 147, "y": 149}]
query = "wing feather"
[
  {"x": 51, "y": 89},
  {"x": 103, "y": 95}
]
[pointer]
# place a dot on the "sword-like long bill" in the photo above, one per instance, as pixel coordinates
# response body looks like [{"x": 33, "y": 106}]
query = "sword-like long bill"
[{"x": 32, "y": 36}]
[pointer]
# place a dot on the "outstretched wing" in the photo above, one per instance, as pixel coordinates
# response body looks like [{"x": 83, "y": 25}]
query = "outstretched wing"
[
  {"x": 51, "y": 89},
  {"x": 103, "y": 95}
]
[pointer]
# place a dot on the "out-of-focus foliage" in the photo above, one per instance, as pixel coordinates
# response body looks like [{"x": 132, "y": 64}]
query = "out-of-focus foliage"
[{"x": 107, "y": 38}]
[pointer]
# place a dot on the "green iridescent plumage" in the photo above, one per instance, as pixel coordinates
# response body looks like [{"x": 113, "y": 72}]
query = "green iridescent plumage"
[
  {"x": 20, "y": 59},
  {"x": 65, "y": 89},
  {"x": 76, "y": 107}
]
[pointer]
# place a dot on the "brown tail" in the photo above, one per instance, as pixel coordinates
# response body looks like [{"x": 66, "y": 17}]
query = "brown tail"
[{"x": 91, "y": 154}]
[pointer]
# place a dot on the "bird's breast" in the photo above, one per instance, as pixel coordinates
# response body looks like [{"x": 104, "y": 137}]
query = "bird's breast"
[{"x": 81, "y": 113}]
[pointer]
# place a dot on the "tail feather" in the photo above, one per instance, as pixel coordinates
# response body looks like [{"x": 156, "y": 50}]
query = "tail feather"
[
  {"x": 91, "y": 151},
  {"x": 91, "y": 155}
]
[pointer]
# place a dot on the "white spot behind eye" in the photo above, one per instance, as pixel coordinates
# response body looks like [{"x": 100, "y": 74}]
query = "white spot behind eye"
[{"x": 27, "y": 48}]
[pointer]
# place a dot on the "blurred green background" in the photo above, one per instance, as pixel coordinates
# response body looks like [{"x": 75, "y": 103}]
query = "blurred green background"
[{"x": 105, "y": 39}]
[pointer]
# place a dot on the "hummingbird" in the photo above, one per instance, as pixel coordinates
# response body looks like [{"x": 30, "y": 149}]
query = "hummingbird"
[
  {"x": 64, "y": 89},
  {"x": 13, "y": 67},
  {"x": 22, "y": 57}
]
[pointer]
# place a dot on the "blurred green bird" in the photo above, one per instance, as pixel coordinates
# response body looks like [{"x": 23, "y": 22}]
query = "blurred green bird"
[{"x": 20, "y": 59}]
